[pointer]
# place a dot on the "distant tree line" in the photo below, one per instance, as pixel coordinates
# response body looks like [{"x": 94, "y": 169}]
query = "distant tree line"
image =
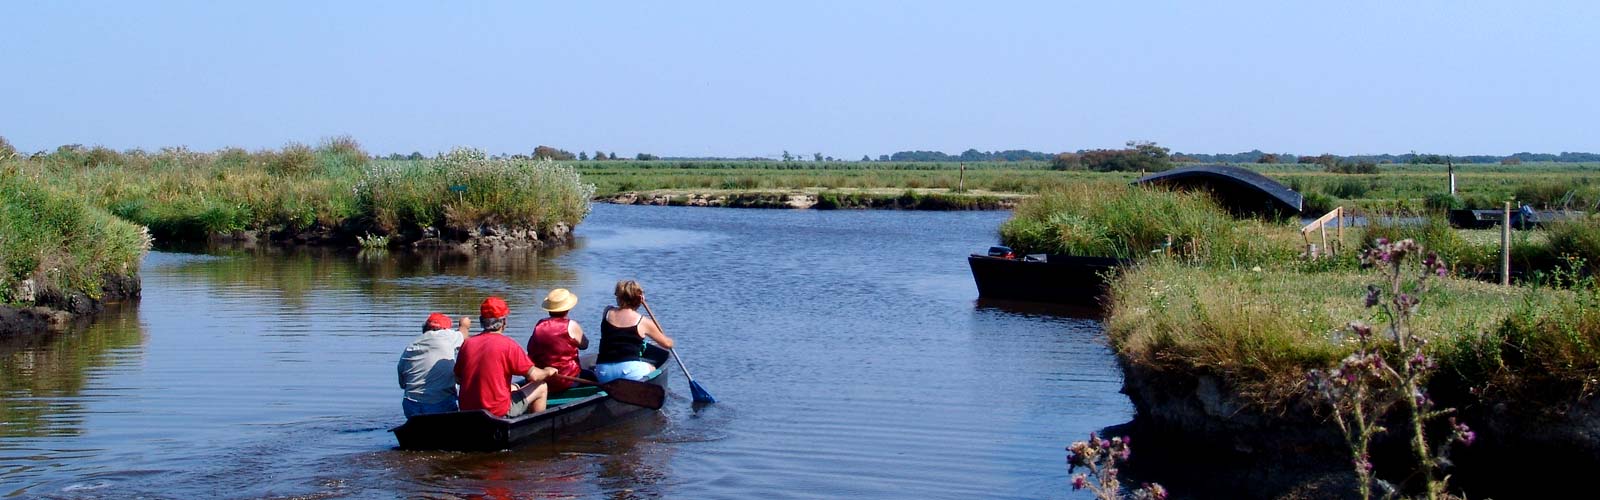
[{"x": 1130, "y": 158}]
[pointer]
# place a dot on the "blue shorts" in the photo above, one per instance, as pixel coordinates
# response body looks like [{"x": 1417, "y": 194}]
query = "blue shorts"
[
  {"x": 413, "y": 408},
  {"x": 631, "y": 370}
]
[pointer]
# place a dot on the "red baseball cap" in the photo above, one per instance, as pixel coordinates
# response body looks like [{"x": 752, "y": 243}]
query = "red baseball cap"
[
  {"x": 437, "y": 321},
  {"x": 493, "y": 307}
]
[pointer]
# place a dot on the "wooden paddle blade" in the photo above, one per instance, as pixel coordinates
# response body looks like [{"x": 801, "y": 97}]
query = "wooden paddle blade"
[{"x": 636, "y": 393}]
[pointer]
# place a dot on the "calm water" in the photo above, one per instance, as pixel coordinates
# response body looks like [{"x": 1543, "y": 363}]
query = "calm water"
[{"x": 847, "y": 349}]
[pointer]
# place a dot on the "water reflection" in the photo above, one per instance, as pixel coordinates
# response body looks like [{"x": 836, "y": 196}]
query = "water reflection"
[
  {"x": 845, "y": 349},
  {"x": 43, "y": 377}
]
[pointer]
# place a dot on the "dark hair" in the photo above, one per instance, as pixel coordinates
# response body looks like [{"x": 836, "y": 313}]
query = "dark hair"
[{"x": 492, "y": 324}]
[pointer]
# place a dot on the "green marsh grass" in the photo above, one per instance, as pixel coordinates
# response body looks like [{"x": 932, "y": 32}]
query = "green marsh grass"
[
  {"x": 185, "y": 195},
  {"x": 59, "y": 241}
]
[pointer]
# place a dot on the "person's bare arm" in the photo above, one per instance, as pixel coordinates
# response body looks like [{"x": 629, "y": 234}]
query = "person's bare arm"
[
  {"x": 650, "y": 329},
  {"x": 576, "y": 331},
  {"x": 537, "y": 374},
  {"x": 465, "y": 327}
]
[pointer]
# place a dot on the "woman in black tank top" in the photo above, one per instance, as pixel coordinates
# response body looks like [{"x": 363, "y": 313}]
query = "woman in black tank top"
[{"x": 622, "y": 346}]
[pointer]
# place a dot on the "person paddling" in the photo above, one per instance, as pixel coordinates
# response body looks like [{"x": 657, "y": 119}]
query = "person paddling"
[
  {"x": 427, "y": 367},
  {"x": 557, "y": 339},
  {"x": 622, "y": 347},
  {"x": 487, "y": 362}
]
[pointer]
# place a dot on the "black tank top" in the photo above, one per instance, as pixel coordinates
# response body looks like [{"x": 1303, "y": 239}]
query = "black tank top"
[{"x": 619, "y": 344}]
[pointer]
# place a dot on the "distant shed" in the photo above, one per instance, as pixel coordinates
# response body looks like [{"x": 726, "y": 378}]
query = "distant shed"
[{"x": 1241, "y": 191}]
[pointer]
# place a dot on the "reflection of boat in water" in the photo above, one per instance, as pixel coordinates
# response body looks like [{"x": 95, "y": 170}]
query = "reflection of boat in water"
[
  {"x": 1524, "y": 217},
  {"x": 1062, "y": 279},
  {"x": 572, "y": 411},
  {"x": 1042, "y": 309}
]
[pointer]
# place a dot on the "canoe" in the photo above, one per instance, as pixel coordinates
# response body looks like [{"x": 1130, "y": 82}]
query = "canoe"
[
  {"x": 572, "y": 411},
  {"x": 1061, "y": 279},
  {"x": 1485, "y": 219}
]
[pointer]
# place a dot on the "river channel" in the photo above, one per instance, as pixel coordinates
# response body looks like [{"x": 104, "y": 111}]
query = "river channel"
[{"x": 847, "y": 349}]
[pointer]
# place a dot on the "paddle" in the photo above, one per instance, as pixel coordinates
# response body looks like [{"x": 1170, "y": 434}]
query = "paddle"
[
  {"x": 632, "y": 392},
  {"x": 701, "y": 395}
]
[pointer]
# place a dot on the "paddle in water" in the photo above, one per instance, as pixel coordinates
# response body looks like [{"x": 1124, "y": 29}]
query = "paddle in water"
[
  {"x": 701, "y": 395},
  {"x": 632, "y": 392}
]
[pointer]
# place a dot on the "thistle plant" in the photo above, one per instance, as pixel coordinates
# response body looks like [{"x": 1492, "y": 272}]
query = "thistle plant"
[
  {"x": 1099, "y": 458},
  {"x": 1390, "y": 366}
]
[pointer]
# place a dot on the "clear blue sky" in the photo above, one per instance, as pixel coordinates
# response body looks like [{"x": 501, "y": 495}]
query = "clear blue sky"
[{"x": 844, "y": 78}]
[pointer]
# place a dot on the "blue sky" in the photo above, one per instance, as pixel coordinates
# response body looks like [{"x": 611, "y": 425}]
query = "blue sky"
[{"x": 842, "y": 78}]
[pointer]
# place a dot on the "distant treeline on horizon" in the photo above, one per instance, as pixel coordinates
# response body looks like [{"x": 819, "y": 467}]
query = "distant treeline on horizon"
[{"x": 1018, "y": 155}]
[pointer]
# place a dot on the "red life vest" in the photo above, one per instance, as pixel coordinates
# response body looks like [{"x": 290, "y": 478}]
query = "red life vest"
[{"x": 552, "y": 347}]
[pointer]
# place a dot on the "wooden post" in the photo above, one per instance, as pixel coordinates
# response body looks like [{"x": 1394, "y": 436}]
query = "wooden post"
[
  {"x": 1340, "y": 227},
  {"x": 961, "y": 181},
  {"x": 1505, "y": 246}
]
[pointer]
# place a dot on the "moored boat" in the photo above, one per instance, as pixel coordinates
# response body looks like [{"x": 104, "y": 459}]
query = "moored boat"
[
  {"x": 1062, "y": 279},
  {"x": 575, "y": 410}
]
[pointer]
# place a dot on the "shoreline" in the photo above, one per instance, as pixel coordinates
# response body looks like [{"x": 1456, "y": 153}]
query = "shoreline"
[
  {"x": 54, "y": 311},
  {"x": 821, "y": 199}
]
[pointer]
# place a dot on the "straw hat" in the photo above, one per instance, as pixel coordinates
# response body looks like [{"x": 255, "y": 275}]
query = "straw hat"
[{"x": 559, "y": 300}]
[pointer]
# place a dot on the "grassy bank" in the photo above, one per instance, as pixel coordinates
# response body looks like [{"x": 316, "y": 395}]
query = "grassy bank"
[
  {"x": 1234, "y": 299},
  {"x": 1118, "y": 220},
  {"x": 1395, "y": 186},
  {"x": 59, "y": 243},
  {"x": 332, "y": 189}
]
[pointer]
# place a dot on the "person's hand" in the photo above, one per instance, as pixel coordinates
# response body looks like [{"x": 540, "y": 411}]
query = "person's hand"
[
  {"x": 465, "y": 324},
  {"x": 549, "y": 371}
]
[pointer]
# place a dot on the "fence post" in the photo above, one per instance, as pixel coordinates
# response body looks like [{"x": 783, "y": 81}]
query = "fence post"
[
  {"x": 1505, "y": 246},
  {"x": 1340, "y": 228}
]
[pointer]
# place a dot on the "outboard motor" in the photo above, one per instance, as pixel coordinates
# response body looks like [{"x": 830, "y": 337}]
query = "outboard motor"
[{"x": 1002, "y": 252}]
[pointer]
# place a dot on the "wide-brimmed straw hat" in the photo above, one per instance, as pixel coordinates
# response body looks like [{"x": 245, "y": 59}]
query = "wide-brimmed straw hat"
[{"x": 559, "y": 300}]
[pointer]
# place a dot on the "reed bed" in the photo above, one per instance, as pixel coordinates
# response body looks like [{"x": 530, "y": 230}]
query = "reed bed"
[{"x": 334, "y": 188}]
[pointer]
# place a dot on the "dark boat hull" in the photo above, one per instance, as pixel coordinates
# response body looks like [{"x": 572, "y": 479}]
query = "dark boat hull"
[
  {"x": 1059, "y": 279},
  {"x": 1485, "y": 219},
  {"x": 477, "y": 430}
]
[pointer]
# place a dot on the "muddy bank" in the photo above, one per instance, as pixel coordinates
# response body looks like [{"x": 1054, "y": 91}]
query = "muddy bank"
[
  {"x": 825, "y": 200},
  {"x": 54, "y": 310},
  {"x": 1201, "y": 439}
]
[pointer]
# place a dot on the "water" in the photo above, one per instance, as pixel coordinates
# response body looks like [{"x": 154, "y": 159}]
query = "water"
[{"x": 846, "y": 348}]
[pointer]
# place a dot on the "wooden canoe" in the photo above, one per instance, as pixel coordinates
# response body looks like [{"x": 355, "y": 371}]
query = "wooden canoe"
[{"x": 573, "y": 411}]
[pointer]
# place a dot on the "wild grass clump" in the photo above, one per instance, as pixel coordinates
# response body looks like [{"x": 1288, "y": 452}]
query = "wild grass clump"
[
  {"x": 1116, "y": 220},
  {"x": 334, "y": 189},
  {"x": 1543, "y": 354},
  {"x": 464, "y": 189},
  {"x": 1260, "y": 331},
  {"x": 59, "y": 241}
]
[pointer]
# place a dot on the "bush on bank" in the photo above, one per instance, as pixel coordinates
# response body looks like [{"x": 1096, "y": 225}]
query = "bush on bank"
[
  {"x": 58, "y": 241},
  {"x": 334, "y": 187}
]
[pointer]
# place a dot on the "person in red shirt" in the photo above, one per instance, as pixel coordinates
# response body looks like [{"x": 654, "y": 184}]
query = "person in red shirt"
[
  {"x": 557, "y": 339},
  {"x": 487, "y": 361}
]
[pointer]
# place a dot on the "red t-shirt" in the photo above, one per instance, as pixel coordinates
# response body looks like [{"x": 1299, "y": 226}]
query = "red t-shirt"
[{"x": 484, "y": 367}]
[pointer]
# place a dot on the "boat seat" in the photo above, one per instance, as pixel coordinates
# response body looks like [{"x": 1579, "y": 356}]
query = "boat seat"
[{"x": 573, "y": 394}]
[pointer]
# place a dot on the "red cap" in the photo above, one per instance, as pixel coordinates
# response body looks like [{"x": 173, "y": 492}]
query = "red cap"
[
  {"x": 437, "y": 321},
  {"x": 493, "y": 307}
]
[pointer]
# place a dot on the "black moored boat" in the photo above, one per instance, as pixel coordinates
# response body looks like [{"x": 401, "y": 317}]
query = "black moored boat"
[
  {"x": 572, "y": 411},
  {"x": 1062, "y": 279}
]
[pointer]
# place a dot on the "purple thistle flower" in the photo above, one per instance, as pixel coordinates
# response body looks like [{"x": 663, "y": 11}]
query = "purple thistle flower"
[
  {"x": 1079, "y": 482},
  {"x": 1373, "y": 293},
  {"x": 1383, "y": 241}
]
